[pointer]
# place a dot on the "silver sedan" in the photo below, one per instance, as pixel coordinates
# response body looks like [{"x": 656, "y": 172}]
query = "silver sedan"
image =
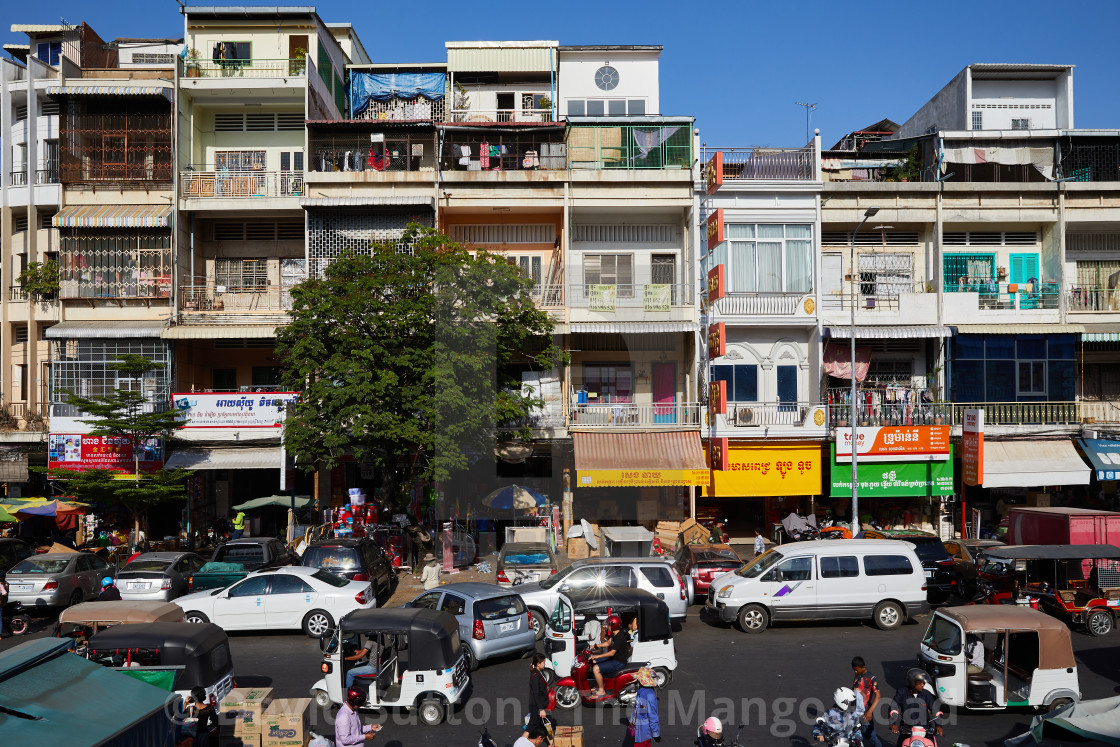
[
  {"x": 158, "y": 576},
  {"x": 57, "y": 579}
]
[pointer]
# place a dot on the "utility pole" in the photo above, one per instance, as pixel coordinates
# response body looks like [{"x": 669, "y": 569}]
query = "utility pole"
[{"x": 809, "y": 108}]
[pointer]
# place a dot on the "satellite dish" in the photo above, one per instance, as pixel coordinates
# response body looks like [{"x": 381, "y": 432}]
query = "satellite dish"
[{"x": 589, "y": 535}]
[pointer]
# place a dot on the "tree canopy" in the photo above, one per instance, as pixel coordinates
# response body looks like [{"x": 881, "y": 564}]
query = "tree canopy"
[{"x": 410, "y": 359}]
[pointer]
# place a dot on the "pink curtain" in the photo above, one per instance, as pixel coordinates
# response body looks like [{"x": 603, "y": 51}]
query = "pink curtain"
[{"x": 838, "y": 360}]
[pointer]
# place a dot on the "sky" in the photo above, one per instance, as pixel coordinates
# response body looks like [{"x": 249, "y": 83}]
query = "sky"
[{"x": 738, "y": 67}]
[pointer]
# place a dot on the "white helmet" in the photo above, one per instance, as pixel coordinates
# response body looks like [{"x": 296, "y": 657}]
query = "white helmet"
[{"x": 844, "y": 698}]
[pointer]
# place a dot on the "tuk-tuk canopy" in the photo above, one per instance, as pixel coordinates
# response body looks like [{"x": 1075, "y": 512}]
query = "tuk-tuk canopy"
[
  {"x": 201, "y": 649},
  {"x": 1055, "y": 552},
  {"x": 114, "y": 613},
  {"x": 433, "y": 635},
  {"x": 1055, "y": 649},
  {"x": 653, "y": 613}
]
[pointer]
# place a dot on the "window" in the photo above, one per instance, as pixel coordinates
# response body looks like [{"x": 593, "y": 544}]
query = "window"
[
  {"x": 608, "y": 382},
  {"x": 20, "y": 223},
  {"x": 266, "y": 376},
  {"x": 20, "y": 331},
  {"x": 97, "y": 563},
  {"x": 110, "y": 264},
  {"x": 606, "y": 107},
  {"x": 223, "y": 379},
  {"x": 282, "y": 583},
  {"x": 1032, "y": 377},
  {"x": 219, "y": 658},
  {"x": 887, "y": 565},
  {"x": 794, "y": 569},
  {"x": 49, "y": 52},
  {"x": 617, "y": 575},
  {"x": 977, "y": 120},
  {"x": 21, "y": 114},
  {"x": 742, "y": 381},
  {"x": 885, "y": 275},
  {"x": 427, "y": 601},
  {"x": 968, "y": 272},
  {"x": 577, "y": 107},
  {"x": 658, "y": 575},
  {"x": 769, "y": 258},
  {"x": 250, "y": 587},
  {"x": 530, "y": 267},
  {"x": 1021, "y": 124},
  {"x": 82, "y": 366},
  {"x": 844, "y": 566},
  {"x": 582, "y": 579},
  {"x": 498, "y": 607},
  {"x": 239, "y": 160},
  {"x": 609, "y": 269},
  {"x": 236, "y": 274},
  {"x": 595, "y": 108},
  {"x": 83, "y": 564},
  {"x": 1002, "y": 368}
]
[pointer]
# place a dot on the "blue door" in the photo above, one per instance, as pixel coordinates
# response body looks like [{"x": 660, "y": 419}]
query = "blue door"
[
  {"x": 787, "y": 388},
  {"x": 1024, "y": 270}
]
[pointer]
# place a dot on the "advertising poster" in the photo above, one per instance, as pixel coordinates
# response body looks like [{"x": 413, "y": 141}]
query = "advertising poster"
[
  {"x": 82, "y": 452},
  {"x": 232, "y": 409}
]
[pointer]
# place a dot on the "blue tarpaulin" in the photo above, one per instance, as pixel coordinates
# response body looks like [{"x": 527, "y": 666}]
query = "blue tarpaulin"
[{"x": 367, "y": 87}]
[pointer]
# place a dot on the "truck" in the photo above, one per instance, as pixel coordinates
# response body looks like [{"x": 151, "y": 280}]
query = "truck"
[
  {"x": 1062, "y": 526},
  {"x": 236, "y": 559}
]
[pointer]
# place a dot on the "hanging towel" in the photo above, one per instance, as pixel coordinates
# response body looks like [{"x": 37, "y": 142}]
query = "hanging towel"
[
  {"x": 465, "y": 151},
  {"x": 484, "y": 155},
  {"x": 346, "y": 162}
]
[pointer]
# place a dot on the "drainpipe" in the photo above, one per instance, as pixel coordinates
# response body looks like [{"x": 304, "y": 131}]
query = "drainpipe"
[
  {"x": 552, "y": 83},
  {"x": 1063, "y": 304}
]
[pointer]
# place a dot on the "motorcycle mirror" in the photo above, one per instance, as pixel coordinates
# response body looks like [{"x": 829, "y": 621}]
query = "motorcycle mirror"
[{"x": 820, "y": 719}]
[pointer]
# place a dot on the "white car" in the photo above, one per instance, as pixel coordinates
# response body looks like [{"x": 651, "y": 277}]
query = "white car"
[{"x": 290, "y": 597}]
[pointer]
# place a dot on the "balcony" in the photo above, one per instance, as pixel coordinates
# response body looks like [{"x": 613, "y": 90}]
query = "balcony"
[
  {"x": 997, "y": 296},
  {"x": 646, "y": 296},
  {"x": 240, "y": 184},
  {"x": 47, "y": 176},
  {"x": 17, "y": 178},
  {"x": 257, "y": 68},
  {"x": 534, "y": 149},
  {"x": 771, "y": 420},
  {"x": 1009, "y": 415},
  {"x": 765, "y": 304},
  {"x": 1089, "y": 298},
  {"x": 500, "y": 115},
  {"x": 200, "y": 299},
  {"x": 771, "y": 164},
  {"x": 624, "y": 415},
  {"x": 629, "y": 148}
]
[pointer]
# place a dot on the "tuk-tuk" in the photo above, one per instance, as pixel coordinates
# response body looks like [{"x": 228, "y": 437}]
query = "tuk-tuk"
[
  {"x": 1027, "y": 658},
  {"x": 564, "y": 634},
  {"x": 1078, "y": 584},
  {"x": 82, "y": 621},
  {"x": 188, "y": 655},
  {"x": 417, "y": 653}
]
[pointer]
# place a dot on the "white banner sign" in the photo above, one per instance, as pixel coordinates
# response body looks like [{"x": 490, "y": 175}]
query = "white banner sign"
[{"x": 232, "y": 409}]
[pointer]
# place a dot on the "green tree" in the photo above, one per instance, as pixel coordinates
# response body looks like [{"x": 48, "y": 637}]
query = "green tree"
[
  {"x": 411, "y": 360},
  {"x": 127, "y": 415}
]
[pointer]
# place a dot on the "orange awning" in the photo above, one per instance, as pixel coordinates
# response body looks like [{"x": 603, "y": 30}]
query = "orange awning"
[{"x": 671, "y": 458}]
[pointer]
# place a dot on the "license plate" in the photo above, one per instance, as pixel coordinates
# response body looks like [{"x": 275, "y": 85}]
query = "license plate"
[
  {"x": 506, "y": 627},
  {"x": 136, "y": 586},
  {"x": 21, "y": 587},
  {"x": 929, "y": 574}
]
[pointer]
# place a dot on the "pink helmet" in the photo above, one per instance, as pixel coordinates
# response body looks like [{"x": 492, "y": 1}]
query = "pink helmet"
[{"x": 713, "y": 726}]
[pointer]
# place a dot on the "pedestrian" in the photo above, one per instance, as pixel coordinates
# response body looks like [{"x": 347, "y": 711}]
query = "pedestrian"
[
  {"x": 237, "y": 518},
  {"x": 759, "y": 542},
  {"x": 109, "y": 591},
  {"x": 534, "y": 737},
  {"x": 914, "y": 705},
  {"x": 348, "y": 728},
  {"x": 430, "y": 576},
  {"x": 207, "y": 718},
  {"x": 538, "y": 695},
  {"x": 645, "y": 722},
  {"x": 867, "y": 687}
]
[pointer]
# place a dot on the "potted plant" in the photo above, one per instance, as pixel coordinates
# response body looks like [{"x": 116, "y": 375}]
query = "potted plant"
[
  {"x": 8, "y": 421},
  {"x": 298, "y": 64},
  {"x": 40, "y": 280},
  {"x": 194, "y": 67}
]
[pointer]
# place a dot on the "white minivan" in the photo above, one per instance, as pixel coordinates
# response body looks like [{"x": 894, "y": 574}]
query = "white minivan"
[{"x": 824, "y": 580}]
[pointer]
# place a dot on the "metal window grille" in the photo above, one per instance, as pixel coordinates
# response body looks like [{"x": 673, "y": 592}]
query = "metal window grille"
[
  {"x": 665, "y": 233},
  {"x": 963, "y": 271},
  {"x": 241, "y": 274},
  {"x": 355, "y": 152},
  {"x": 418, "y": 108},
  {"x": 1020, "y": 123},
  {"x": 21, "y": 333},
  {"x": 609, "y": 269},
  {"x": 504, "y": 233},
  {"x": 1093, "y": 242},
  {"x": 20, "y": 223},
  {"x": 49, "y": 108},
  {"x": 1096, "y": 162},
  {"x": 885, "y": 275},
  {"x": 115, "y": 143},
  {"x": 21, "y": 112},
  {"x": 82, "y": 366},
  {"x": 284, "y": 230},
  {"x": 112, "y": 264},
  {"x": 503, "y": 151},
  {"x": 331, "y": 232},
  {"x": 977, "y": 120}
]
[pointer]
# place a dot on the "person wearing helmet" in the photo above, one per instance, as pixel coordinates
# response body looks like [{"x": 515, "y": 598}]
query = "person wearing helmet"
[
  {"x": 3, "y": 603},
  {"x": 348, "y": 727},
  {"x": 109, "y": 591},
  {"x": 914, "y": 705},
  {"x": 614, "y": 658},
  {"x": 843, "y": 719},
  {"x": 710, "y": 733}
]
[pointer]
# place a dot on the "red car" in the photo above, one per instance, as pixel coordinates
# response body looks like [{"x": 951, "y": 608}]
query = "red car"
[{"x": 701, "y": 564}]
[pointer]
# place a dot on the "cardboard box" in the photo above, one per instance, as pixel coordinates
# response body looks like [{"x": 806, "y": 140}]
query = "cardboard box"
[
  {"x": 568, "y": 736},
  {"x": 285, "y": 723},
  {"x": 244, "y": 707},
  {"x": 1038, "y": 500},
  {"x": 693, "y": 533},
  {"x": 578, "y": 549}
]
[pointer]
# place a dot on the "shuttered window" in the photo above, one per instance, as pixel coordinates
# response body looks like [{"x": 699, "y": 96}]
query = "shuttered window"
[{"x": 610, "y": 269}]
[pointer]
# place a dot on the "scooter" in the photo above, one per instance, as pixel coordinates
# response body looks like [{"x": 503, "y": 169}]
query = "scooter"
[
  {"x": 620, "y": 688},
  {"x": 702, "y": 741},
  {"x": 921, "y": 736},
  {"x": 836, "y": 738},
  {"x": 19, "y": 622}
]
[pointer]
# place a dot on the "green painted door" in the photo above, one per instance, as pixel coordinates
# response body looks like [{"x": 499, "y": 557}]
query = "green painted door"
[{"x": 1024, "y": 269}]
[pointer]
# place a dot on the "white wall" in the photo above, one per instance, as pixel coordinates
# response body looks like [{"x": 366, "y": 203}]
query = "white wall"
[
  {"x": 637, "y": 75},
  {"x": 1004, "y": 100}
]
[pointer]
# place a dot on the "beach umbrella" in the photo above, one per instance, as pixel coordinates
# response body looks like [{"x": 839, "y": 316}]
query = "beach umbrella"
[
  {"x": 6, "y": 517},
  {"x": 50, "y": 508},
  {"x": 514, "y": 497}
]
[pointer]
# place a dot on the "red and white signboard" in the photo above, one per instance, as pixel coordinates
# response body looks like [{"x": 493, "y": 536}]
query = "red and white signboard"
[
  {"x": 80, "y": 452},
  {"x": 233, "y": 409},
  {"x": 972, "y": 447},
  {"x": 895, "y": 443}
]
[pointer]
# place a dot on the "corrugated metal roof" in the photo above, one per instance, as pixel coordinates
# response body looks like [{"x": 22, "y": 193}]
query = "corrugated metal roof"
[
  {"x": 512, "y": 59},
  {"x": 104, "y": 330},
  {"x": 228, "y": 458},
  {"x": 1019, "y": 329},
  {"x": 429, "y": 202},
  {"x": 668, "y": 450},
  {"x": 113, "y": 216},
  {"x": 901, "y": 332},
  {"x": 633, "y": 327},
  {"x": 219, "y": 332},
  {"x": 38, "y": 28},
  {"x": 114, "y": 90}
]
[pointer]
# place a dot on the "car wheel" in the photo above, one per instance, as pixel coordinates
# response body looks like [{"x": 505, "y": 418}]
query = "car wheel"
[
  {"x": 322, "y": 699},
  {"x": 538, "y": 623},
  {"x": 1058, "y": 703},
  {"x": 888, "y": 616},
  {"x": 753, "y": 619},
  {"x": 472, "y": 661},
  {"x": 197, "y": 618},
  {"x": 662, "y": 676},
  {"x": 76, "y": 598},
  {"x": 316, "y": 623},
  {"x": 1098, "y": 623},
  {"x": 567, "y": 697},
  {"x": 432, "y": 712}
]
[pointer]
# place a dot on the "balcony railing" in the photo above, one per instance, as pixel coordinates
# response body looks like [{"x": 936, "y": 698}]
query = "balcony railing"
[
  {"x": 517, "y": 151},
  {"x": 46, "y": 176},
  {"x": 769, "y": 414},
  {"x": 501, "y": 115},
  {"x": 17, "y": 178},
  {"x": 238, "y": 184},
  {"x": 16, "y": 293},
  {"x": 630, "y": 147},
  {"x": 748, "y": 164},
  {"x": 1003, "y": 296},
  {"x": 275, "y": 68},
  {"x": 1088, "y": 298},
  {"x": 210, "y": 298},
  {"x": 952, "y": 413},
  {"x": 630, "y": 415},
  {"x": 648, "y": 296},
  {"x": 759, "y": 304},
  {"x": 548, "y": 295}
]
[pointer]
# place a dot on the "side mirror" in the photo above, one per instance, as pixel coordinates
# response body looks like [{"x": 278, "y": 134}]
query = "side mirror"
[
  {"x": 564, "y": 589},
  {"x": 327, "y": 641}
]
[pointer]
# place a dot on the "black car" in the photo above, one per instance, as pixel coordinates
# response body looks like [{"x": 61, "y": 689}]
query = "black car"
[
  {"x": 357, "y": 559},
  {"x": 12, "y": 551},
  {"x": 941, "y": 573}
]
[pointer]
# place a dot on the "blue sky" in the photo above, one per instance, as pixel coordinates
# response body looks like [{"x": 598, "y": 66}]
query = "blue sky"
[{"x": 738, "y": 67}]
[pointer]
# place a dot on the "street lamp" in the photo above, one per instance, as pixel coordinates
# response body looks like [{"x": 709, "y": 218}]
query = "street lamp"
[{"x": 867, "y": 215}]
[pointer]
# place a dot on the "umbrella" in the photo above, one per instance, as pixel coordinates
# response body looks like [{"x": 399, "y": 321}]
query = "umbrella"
[
  {"x": 6, "y": 517},
  {"x": 50, "y": 508},
  {"x": 514, "y": 497}
]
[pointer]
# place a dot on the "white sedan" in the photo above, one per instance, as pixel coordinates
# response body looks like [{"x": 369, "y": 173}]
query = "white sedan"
[{"x": 291, "y": 597}]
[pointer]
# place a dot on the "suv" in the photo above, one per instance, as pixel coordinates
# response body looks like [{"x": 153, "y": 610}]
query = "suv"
[
  {"x": 938, "y": 564},
  {"x": 357, "y": 559},
  {"x": 654, "y": 575}
]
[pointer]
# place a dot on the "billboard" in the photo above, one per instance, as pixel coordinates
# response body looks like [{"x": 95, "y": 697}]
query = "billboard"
[
  {"x": 893, "y": 479},
  {"x": 895, "y": 443},
  {"x": 972, "y": 447},
  {"x": 232, "y": 409},
  {"x": 81, "y": 452}
]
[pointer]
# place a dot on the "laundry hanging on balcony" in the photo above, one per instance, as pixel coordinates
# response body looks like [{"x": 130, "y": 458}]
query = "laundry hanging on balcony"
[
  {"x": 1041, "y": 158},
  {"x": 648, "y": 138},
  {"x": 368, "y": 87},
  {"x": 838, "y": 361}
]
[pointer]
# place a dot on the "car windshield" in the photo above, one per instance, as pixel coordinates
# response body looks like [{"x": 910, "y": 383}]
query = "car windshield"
[
  {"x": 330, "y": 579},
  {"x": 759, "y": 565},
  {"x": 526, "y": 557},
  {"x": 943, "y": 636},
  {"x": 929, "y": 549},
  {"x": 331, "y": 558},
  {"x": 708, "y": 556},
  {"x": 556, "y": 578},
  {"x": 147, "y": 565},
  {"x": 40, "y": 565}
]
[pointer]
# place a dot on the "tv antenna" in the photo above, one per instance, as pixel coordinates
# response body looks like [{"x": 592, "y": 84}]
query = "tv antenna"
[{"x": 809, "y": 108}]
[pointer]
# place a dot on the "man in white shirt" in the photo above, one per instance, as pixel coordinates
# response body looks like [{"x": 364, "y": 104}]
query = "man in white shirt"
[
  {"x": 534, "y": 737},
  {"x": 759, "y": 543}
]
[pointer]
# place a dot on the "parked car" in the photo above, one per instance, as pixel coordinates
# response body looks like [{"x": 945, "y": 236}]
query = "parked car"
[
  {"x": 654, "y": 575},
  {"x": 57, "y": 579},
  {"x": 699, "y": 565},
  {"x": 493, "y": 621},
  {"x": 939, "y": 569},
  {"x": 964, "y": 553},
  {"x": 357, "y": 559},
  {"x": 236, "y": 559},
  {"x": 12, "y": 551},
  {"x": 525, "y": 562},
  {"x": 158, "y": 576},
  {"x": 292, "y": 597}
]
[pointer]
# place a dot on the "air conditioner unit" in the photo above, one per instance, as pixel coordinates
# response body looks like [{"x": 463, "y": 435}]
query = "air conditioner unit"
[{"x": 744, "y": 416}]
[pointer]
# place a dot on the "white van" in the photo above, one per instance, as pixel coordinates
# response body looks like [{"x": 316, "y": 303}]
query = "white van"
[{"x": 824, "y": 580}]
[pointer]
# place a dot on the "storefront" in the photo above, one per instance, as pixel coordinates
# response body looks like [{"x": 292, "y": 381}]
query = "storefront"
[{"x": 759, "y": 483}]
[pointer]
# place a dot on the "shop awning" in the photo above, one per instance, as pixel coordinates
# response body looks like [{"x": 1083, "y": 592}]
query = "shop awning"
[
  {"x": 113, "y": 216},
  {"x": 219, "y": 332},
  {"x": 1104, "y": 455},
  {"x": 1028, "y": 464},
  {"x": 117, "y": 90},
  {"x": 901, "y": 332},
  {"x": 1101, "y": 333},
  {"x": 227, "y": 458},
  {"x": 639, "y": 459},
  {"x": 274, "y": 501},
  {"x": 372, "y": 201},
  {"x": 106, "y": 330},
  {"x": 1019, "y": 329},
  {"x": 632, "y": 327}
]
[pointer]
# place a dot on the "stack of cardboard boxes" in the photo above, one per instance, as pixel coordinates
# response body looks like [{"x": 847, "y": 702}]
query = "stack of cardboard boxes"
[
  {"x": 673, "y": 534},
  {"x": 285, "y": 723},
  {"x": 579, "y": 548},
  {"x": 244, "y": 708}
]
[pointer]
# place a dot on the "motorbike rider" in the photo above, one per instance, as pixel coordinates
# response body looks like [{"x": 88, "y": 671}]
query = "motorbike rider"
[
  {"x": 109, "y": 591},
  {"x": 710, "y": 734},
  {"x": 913, "y": 706},
  {"x": 844, "y": 719},
  {"x": 3, "y": 603},
  {"x": 612, "y": 660}
]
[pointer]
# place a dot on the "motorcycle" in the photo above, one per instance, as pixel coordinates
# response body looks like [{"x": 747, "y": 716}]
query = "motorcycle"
[
  {"x": 620, "y": 688},
  {"x": 801, "y": 528},
  {"x": 19, "y": 622},
  {"x": 703, "y": 741},
  {"x": 834, "y": 737},
  {"x": 921, "y": 736}
]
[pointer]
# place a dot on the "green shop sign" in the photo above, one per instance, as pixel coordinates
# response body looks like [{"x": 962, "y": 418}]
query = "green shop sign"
[{"x": 893, "y": 479}]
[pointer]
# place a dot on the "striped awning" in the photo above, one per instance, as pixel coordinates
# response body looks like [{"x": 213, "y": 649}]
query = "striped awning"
[
  {"x": 1101, "y": 333},
  {"x": 118, "y": 90},
  {"x": 219, "y": 332},
  {"x": 113, "y": 216},
  {"x": 104, "y": 329},
  {"x": 671, "y": 458},
  {"x": 901, "y": 332}
]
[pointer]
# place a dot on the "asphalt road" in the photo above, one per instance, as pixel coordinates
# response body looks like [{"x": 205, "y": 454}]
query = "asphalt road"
[{"x": 774, "y": 682}]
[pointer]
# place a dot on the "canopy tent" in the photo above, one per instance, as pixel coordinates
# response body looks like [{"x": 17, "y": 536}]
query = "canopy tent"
[
  {"x": 1094, "y": 720},
  {"x": 277, "y": 501},
  {"x": 51, "y": 508},
  {"x": 5, "y": 517},
  {"x": 514, "y": 497}
]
